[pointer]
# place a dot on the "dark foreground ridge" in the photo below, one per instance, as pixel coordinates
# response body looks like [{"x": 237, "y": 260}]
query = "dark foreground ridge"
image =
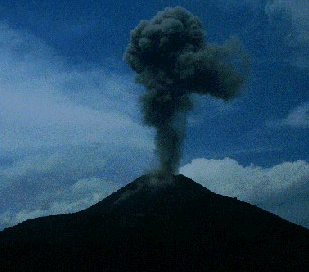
[{"x": 175, "y": 226}]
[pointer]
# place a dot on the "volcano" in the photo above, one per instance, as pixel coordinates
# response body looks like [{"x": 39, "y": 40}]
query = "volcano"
[{"x": 153, "y": 224}]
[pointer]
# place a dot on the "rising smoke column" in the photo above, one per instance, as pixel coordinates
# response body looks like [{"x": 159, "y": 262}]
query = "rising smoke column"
[{"x": 172, "y": 60}]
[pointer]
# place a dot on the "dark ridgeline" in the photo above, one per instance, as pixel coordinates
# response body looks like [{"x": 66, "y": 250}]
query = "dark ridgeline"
[{"x": 152, "y": 225}]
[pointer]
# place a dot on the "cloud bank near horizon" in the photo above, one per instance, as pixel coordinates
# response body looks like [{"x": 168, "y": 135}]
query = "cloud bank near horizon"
[
  {"x": 278, "y": 189},
  {"x": 81, "y": 195},
  {"x": 281, "y": 189}
]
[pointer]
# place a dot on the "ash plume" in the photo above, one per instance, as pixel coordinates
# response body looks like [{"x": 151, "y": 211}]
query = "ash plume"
[{"x": 172, "y": 59}]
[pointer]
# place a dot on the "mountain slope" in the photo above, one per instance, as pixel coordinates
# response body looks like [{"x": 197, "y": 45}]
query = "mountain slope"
[{"x": 177, "y": 225}]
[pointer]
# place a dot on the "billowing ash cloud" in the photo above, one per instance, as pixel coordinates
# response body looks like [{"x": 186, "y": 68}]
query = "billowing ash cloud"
[{"x": 172, "y": 60}]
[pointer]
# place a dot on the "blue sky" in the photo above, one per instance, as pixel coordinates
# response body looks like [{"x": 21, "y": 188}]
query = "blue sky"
[{"x": 70, "y": 120}]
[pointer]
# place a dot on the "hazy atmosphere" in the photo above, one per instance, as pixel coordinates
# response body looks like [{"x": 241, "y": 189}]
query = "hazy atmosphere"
[{"x": 73, "y": 128}]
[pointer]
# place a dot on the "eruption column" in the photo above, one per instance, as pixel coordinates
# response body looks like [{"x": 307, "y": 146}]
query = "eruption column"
[{"x": 172, "y": 60}]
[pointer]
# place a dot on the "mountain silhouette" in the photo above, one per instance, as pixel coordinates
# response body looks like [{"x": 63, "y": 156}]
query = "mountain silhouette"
[{"x": 156, "y": 225}]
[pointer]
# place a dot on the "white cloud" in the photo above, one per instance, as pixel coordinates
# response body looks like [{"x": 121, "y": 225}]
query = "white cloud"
[
  {"x": 44, "y": 103},
  {"x": 272, "y": 188},
  {"x": 69, "y": 162},
  {"x": 295, "y": 13},
  {"x": 227, "y": 177},
  {"x": 297, "y": 118},
  {"x": 61, "y": 125},
  {"x": 298, "y": 10}
]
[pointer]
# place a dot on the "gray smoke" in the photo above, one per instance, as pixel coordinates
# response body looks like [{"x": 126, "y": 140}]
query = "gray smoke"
[{"x": 172, "y": 60}]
